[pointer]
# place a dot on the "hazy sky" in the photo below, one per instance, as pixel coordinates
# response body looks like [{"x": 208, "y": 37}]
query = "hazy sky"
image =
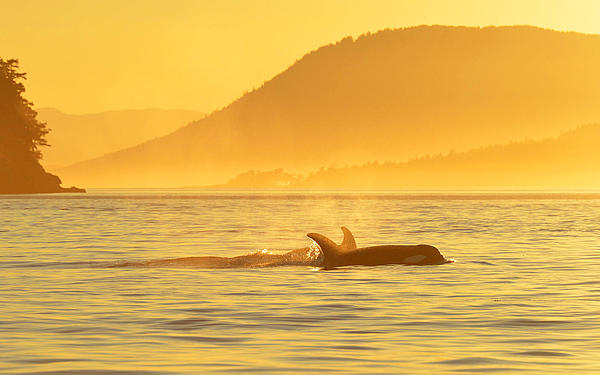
[{"x": 89, "y": 56}]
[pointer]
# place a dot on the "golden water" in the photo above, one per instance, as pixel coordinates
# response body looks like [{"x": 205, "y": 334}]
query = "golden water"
[{"x": 523, "y": 295}]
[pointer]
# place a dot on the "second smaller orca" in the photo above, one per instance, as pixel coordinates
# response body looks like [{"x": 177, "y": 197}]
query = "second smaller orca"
[{"x": 337, "y": 255}]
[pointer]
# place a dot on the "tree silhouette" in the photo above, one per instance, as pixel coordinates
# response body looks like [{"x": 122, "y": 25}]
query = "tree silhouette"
[{"x": 21, "y": 136}]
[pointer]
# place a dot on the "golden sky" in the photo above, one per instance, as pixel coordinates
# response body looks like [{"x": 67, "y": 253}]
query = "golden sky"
[{"x": 89, "y": 56}]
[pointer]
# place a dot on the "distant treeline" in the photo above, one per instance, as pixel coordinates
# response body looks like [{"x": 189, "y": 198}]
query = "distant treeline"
[{"x": 568, "y": 161}]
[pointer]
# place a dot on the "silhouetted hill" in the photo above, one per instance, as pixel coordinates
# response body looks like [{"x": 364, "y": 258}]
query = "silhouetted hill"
[
  {"x": 76, "y": 138},
  {"x": 571, "y": 160},
  {"x": 29, "y": 177},
  {"x": 391, "y": 95}
]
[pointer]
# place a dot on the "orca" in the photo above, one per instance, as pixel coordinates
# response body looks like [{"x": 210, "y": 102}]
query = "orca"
[
  {"x": 348, "y": 243},
  {"x": 305, "y": 256},
  {"x": 338, "y": 255}
]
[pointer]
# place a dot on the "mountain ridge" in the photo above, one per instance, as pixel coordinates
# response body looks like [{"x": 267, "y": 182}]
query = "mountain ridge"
[
  {"x": 391, "y": 95},
  {"x": 79, "y": 137}
]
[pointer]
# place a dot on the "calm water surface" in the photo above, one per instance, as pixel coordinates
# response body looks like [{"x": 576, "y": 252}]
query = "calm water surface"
[{"x": 522, "y": 297}]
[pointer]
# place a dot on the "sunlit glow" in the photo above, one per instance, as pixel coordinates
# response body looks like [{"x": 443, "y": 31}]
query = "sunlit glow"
[
  {"x": 201, "y": 55},
  {"x": 313, "y": 94}
]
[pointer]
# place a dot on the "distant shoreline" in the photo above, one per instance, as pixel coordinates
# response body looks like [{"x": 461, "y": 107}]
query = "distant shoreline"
[
  {"x": 71, "y": 189},
  {"x": 276, "y": 194}
]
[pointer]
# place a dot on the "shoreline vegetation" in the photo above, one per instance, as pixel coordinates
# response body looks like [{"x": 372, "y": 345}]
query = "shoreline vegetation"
[
  {"x": 21, "y": 137},
  {"x": 567, "y": 161}
]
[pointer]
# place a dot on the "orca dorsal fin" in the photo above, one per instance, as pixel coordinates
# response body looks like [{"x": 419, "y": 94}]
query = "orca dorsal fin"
[
  {"x": 329, "y": 248},
  {"x": 348, "y": 243}
]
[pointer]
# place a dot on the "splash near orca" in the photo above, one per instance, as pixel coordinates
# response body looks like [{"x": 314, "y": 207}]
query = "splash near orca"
[
  {"x": 306, "y": 256},
  {"x": 337, "y": 256}
]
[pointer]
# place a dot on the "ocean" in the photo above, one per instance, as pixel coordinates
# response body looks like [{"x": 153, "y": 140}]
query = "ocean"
[{"x": 86, "y": 287}]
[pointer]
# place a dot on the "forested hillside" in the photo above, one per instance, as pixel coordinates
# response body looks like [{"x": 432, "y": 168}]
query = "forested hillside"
[
  {"x": 392, "y": 95},
  {"x": 568, "y": 161}
]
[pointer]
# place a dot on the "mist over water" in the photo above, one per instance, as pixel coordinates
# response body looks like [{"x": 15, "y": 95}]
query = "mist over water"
[{"x": 87, "y": 287}]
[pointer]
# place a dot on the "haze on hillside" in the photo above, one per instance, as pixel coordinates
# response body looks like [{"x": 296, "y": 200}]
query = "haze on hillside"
[
  {"x": 389, "y": 96},
  {"x": 76, "y": 138},
  {"x": 564, "y": 162}
]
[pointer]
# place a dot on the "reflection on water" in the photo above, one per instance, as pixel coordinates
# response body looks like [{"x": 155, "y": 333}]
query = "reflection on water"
[{"x": 522, "y": 296}]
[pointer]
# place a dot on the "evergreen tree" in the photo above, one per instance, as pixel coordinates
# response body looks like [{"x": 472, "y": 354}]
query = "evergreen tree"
[{"x": 21, "y": 136}]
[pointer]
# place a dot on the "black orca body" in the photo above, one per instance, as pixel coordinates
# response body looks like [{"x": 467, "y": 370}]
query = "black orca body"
[{"x": 337, "y": 256}]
